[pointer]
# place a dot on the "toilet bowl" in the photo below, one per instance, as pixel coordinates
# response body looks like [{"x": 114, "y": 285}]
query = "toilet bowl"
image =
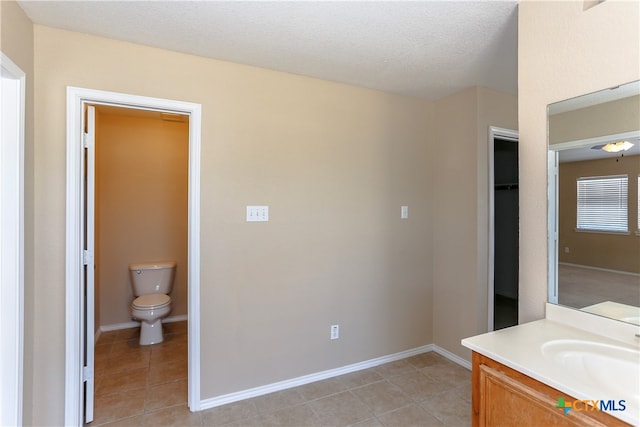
[
  {"x": 151, "y": 284},
  {"x": 150, "y": 310}
]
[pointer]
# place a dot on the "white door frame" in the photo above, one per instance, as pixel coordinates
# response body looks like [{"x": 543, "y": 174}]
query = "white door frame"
[
  {"x": 12, "y": 117},
  {"x": 512, "y": 135},
  {"x": 553, "y": 159},
  {"x": 76, "y": 98}
]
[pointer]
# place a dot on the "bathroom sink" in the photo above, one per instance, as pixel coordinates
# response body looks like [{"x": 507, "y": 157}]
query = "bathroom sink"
[{"x": 612, "y": 370}]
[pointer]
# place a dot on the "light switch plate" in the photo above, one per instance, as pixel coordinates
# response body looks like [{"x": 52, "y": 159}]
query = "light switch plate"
[
  {"x": 257, "y": 213},
  {"x": 404, "y": 212}
]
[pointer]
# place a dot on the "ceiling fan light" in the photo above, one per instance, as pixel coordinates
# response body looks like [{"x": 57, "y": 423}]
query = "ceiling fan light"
[{"x": 615, "y": 147}]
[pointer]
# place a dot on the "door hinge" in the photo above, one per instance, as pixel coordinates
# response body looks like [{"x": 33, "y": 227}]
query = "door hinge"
[
  {"x": 87, "y": 257},
  {"x": 87, "y": 140},
  {"x": 87, "y": 374}
]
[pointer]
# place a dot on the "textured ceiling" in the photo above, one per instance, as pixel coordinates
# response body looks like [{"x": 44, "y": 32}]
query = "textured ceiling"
[{"x": 427, "y": 49}]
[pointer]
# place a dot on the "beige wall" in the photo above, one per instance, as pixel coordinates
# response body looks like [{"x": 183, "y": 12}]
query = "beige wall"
[
  {"x": 333, "y": 162},
  {"x": 609, "y": 118},
  {"x": 460, "y": 245},
  {"x": 563, "y": 51},
  {"x": 16, "y": 41},
  {"x": 142, "y": 165},
  {"x": 619, "y": 252}
]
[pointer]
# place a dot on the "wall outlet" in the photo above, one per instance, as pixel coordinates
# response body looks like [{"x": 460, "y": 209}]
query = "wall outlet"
[
  {"x": 566, "y": 249},
  {"x": 335, "y": 332}
]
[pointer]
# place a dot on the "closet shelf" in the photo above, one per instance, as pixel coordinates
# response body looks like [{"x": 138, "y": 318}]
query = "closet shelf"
[{"x": 509, "y": 186}]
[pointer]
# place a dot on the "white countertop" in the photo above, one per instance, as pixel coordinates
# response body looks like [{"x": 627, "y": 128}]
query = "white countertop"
[
  {"x": 520, "y": 348},
  {"x": 615, "y": 310}
]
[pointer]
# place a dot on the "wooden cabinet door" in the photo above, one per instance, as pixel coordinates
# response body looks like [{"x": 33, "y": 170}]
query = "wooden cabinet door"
[
  {"x": 507, "y": 402},
  {"x": 504, "y": 397}
]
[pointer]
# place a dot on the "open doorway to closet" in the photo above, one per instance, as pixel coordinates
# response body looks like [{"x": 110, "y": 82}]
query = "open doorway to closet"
[{"x": 503, "y": 229}]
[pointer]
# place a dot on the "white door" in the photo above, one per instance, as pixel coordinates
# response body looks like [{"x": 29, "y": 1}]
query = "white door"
[{"x": 88, "y": 260}]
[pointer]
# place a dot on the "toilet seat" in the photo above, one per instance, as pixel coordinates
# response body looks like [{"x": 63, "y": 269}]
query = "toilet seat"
[{"x": 151, "y": 302}]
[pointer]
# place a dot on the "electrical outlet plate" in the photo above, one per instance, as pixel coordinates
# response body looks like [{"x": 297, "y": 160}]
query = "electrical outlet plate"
[{"x": 335, "y": 332}]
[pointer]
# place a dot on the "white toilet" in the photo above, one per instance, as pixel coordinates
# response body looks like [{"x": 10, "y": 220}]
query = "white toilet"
[{"x": 151, "y": 283}]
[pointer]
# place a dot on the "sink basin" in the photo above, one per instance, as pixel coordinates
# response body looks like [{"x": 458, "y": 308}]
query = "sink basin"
[{"x": 613, "y": 371}]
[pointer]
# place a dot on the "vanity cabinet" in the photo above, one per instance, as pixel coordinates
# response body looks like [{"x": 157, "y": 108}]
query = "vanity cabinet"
[{"x": 502, "y": 396}]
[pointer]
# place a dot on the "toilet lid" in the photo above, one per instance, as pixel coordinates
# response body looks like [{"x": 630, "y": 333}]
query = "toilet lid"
[{"x": 151, "y": 301}]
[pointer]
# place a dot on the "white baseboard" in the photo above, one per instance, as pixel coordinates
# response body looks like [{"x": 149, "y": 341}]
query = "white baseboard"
[
  {"x": 134, "y": 324},
  {"x": 453, "y": 357},
  {"x": 181, "y": 318},
  {"x": 306, "y": 379}
]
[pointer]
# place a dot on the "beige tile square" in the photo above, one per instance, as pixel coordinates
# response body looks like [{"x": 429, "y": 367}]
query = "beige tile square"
[
  {"x": 102, "y": 350},
  {"x": 427, "y": 359},
  {"x": 117, "y": 406},
  {"x": 448, "y": 375},
  {"x": 174, "y": 416},
  {"x": 301, "y": 415},
  {"x": 168, "y": 352},
  {"x": 340, "y": 409},
  {"x": 168, "y": 372},
  {"x": 448, "y": 408},
  {"x": 417, "y": 386},
  {"x": 464, "y": 392},
  {"x": 382, "y": 396},
  {"x": 394, "y": 369},
  {"x": 360, "y": 378},
  {"x": 322, "y": 388},
  {"x": 121, "y": 381},
  {"x": 279, "y": 400},
  {"x": 167, "y": 394},
  {"x": 408, "y": 416},
  {"x": 101, "y": 357},
  {"x": 128, "y": 361},
  {"x": 230, "y": 413},
  {"x": 120, "y": 347}
]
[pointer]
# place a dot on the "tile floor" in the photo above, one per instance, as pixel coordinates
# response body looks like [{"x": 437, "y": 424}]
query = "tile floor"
[{"x": 147, "y": 386}]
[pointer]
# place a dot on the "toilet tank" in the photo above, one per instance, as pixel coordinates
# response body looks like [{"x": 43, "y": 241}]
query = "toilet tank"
[{"x": 152, "y": 277}]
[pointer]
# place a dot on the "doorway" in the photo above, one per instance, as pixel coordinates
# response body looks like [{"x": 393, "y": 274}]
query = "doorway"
[
  {"x": 80, "y": 258},
  {"x": 140, "y": 216},
  {"x": 503, "y": 233}
]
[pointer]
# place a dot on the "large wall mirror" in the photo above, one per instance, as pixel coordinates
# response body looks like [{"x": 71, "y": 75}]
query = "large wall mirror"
[{"x": 594, "y": 215}]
